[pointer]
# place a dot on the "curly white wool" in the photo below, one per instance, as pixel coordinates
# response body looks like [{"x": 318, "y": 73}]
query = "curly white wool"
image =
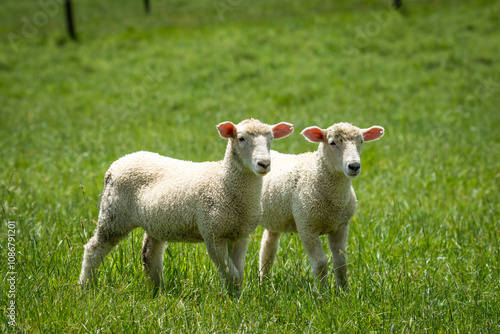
[
  {"x": 311, "y": 194},
  {"x": 181, "y": 201}
]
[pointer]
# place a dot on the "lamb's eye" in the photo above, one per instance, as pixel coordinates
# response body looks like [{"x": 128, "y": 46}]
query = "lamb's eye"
[
  {"x": 241, "y": 139},
  {"x": 333, "y": 143}
]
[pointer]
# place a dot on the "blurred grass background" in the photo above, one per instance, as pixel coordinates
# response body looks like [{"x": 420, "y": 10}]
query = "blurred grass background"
[{"x": 423, "y": 250}]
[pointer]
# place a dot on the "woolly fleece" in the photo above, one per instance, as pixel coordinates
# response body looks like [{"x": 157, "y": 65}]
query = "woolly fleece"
[
  {"x": 181, "y": 201},
  {"x": 311, "y": 194}
]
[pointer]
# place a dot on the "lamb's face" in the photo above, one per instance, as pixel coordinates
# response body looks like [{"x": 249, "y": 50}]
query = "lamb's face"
[
  {"x": 254, "y": 151},
  {"x": 344, "y": 149},
  {"x": 251, "y": 142},
  {"x": 341, "y": 145}
]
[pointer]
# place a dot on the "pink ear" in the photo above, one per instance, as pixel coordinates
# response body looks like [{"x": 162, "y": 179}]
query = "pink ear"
[
  {"x": 281, "y": 130},
  {"x": 314, "y": 134},
  {"x": 226, "y": 129},
  {"x": 373, "y": 133}
]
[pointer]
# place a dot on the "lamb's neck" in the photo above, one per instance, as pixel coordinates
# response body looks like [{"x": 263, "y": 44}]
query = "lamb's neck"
[
  {"x": 235, "y": 172},
  {"x": 335, "y": 182}
]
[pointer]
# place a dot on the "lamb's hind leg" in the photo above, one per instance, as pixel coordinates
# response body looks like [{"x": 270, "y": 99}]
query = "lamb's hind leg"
[
  {"x": 152, "y": 259},
  {"x": 268, "y": 250},
  {"x": 106, "y": 236}
]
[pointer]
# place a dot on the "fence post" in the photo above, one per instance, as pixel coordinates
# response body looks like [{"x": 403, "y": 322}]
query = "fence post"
[{"x": 69, "y": 19}]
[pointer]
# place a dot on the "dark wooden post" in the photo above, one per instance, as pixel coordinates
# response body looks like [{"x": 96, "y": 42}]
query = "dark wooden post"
[
  {"x": 146, "y": 6},
  {"x": 69, "y": 19}
]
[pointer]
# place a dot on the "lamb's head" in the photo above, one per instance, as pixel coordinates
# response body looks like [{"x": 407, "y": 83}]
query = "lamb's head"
[
  {"x": 250, "y": 142},
  {"x": 341, "y": 145}
]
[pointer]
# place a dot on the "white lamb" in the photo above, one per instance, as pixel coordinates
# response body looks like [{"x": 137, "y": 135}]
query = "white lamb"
[
  {"x": 181, "y": 201},
  {"x": 311, "y": 194}
]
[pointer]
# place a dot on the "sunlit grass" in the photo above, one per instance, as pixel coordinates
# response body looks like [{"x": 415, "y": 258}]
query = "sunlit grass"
[{"x": 423, "y": 249}]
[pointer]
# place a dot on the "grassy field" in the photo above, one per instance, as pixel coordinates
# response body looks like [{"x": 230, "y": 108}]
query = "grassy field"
[{"x": 424, "y": 244}]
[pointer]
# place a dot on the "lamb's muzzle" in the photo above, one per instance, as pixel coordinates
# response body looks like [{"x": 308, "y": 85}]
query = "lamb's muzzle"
[
  {"x": 354, "y": 169},
  {"x": 265, "y": 165}
]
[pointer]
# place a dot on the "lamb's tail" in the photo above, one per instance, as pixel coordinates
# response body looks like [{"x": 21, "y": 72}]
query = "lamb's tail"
[{"x": 108, "y": 182}]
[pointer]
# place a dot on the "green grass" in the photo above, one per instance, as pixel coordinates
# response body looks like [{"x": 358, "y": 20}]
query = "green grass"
[{"x": 424, "y": 244}]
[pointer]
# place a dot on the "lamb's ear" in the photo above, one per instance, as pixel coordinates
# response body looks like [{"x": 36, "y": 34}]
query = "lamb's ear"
[
  {"x": 373, "y": 133},
  {"x": 314, "y": 134},
  {"x": 281, "y": 130},
  {"x": 226, "y": 129}
]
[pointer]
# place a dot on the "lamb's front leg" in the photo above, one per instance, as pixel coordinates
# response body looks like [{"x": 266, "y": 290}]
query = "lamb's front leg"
[
  {"x": 218, "y": 252},
  {"x": 337, "y": 241},
  {"x": 152, "y": 259},
  {"x": 237, "y": 252},
  {"x": 317, "y": 258}
]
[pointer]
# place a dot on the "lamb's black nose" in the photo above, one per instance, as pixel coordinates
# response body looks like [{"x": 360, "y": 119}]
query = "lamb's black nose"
[
  {"x": 264, "y": 164},
  {"x": 354, "y": 166}
]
